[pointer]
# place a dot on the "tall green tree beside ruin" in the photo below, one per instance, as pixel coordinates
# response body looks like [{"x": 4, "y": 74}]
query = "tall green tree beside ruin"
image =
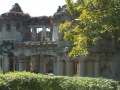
[{"x": 96, "y": 17}]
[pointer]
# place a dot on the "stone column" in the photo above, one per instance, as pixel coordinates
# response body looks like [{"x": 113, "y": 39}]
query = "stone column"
[
  {"x": 82, "y": 68},
  {"x": 6, "y": 66},
  {"x": 14, "y": 64},
  {"x": 55, "y": 66},
  {"x": 59, "y": 66},
  {"x": 34, "y": 37},
  {"x": 41, "y": 63},
  {"x": 38, "y": 66},
  {"x": 70, "y": 68},
  {"x": 97, "y": 66},
  {"x": 35, "y": 34},
  {"x": 38, "y": 63},
  {"x": 17, "y": 64},
  {"x": 43, "y": 33},
  {"x": 54, "y": 36},
  {"x": 44, "y": 60},
  {"x": 32, "y": 33}
]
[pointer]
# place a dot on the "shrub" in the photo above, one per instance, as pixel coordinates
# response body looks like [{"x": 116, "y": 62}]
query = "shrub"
[
  {"x": 1, "y": 72},
  {"x": 32, "y": 81}
]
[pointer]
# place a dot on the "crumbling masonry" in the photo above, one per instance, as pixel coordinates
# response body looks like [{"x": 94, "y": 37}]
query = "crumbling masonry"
[{"x": 34, "y": 44}]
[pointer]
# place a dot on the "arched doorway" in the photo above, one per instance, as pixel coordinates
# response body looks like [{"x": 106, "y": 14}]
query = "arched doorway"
[
  {"x": 64, "y": 67},
  {"x": 76, "y": 67},
  {"x": 34, "y": 63},
  {"x": 107, "y": 67},
  {"x": 49, "y": 64}
]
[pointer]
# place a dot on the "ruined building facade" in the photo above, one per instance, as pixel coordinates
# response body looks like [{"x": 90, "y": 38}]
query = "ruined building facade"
[{"x": 34, "y": 44}]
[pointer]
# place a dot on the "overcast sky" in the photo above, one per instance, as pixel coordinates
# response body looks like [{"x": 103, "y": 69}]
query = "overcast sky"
[{"x": 33, "y": 7}]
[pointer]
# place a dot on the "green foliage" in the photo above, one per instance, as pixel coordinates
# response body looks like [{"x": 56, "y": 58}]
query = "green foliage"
[
  {"x": 96, "y": 18},
  {"x": 1, "y": 72},
  {"x": 32, "y": 81},
  {"x": 4, "y": 48}
]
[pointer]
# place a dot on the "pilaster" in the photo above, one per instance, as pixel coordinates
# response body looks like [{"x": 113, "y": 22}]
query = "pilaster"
[
  {"x": 34, "y": 34},
  {"x": 59, "y": 65},
  {"x": 70, "y": 68},
  {"x": 59, "y": 68},
  {"x": 97, "y": 66},
  {"x": 41, "y": 63},
  {"x": 82, "y": 66},
  {"x": 43, "y": 33},
  {"x": 5, "y": 66},
  {"x": 14, "y": 64},
  {"x": 55, "y": 66}
]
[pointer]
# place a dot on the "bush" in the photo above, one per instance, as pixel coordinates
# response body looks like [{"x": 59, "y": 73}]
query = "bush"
[
  {"x": 32, "y": 81},
  {"x": 1, "y": 72}
]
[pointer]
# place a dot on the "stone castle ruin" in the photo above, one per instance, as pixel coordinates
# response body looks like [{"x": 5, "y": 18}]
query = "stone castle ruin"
[{"x": 34, "y": 44}]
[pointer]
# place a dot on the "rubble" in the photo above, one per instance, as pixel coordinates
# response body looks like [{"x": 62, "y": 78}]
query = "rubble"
[
  {"x": 15, "y": 13},
  {"x": 41, "y": 20},
  {"x": 16, "y": 8}
]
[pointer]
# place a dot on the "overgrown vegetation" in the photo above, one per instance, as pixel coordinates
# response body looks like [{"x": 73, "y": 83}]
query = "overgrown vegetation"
[
  {"x": 31, "y": 81},
  {"x": 1, "y": 72},
  {"x": 96, "y": 18}
]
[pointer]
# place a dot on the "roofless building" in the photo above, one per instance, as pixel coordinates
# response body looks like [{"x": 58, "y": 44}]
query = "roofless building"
[{"x": 34, "y": 44}]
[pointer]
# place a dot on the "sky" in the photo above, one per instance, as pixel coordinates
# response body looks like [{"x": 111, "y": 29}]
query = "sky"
[{"x": 33, "y": 7}]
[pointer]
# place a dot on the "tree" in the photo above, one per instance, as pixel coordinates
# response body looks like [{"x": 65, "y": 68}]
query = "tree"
[{"x": 96, "y": 18}]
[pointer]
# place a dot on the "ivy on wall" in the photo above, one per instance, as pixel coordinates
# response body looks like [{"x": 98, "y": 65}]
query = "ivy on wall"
[{"x": 6, "y": 47}]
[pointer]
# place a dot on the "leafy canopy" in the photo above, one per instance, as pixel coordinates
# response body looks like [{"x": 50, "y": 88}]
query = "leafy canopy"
[{"x": 96, "y": 18}]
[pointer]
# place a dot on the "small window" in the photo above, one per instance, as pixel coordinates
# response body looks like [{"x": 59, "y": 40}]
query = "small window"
[
  {"x": 8, "y": 27},
  {"x": 18, "y": 26}
]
